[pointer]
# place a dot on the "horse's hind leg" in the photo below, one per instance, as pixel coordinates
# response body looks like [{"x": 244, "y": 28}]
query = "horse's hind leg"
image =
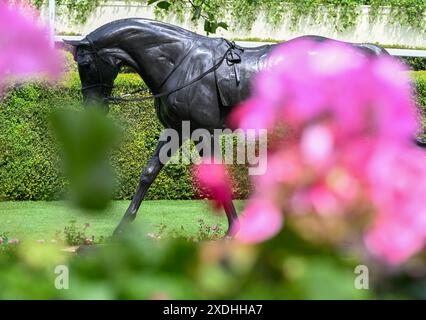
[
  {"x": 148, "y": 176},
  {"x": 231, "y": 213},
  {"x": 233, "y": 223}
]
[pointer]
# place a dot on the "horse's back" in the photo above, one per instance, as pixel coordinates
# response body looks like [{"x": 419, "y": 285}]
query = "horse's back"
[
  {"x": 369, "y": 49},
  {"x": 224, "y": 88}
]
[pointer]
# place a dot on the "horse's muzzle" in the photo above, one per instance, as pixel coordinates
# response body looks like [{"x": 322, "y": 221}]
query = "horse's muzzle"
[{"x": 96, "y": 102}]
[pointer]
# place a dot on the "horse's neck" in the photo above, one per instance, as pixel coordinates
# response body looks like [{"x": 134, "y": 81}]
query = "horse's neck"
[{"x": 156, "y": 56}]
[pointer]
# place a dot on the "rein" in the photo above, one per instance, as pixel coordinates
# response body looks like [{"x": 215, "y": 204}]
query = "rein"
[{"x": 232, "y": 58}]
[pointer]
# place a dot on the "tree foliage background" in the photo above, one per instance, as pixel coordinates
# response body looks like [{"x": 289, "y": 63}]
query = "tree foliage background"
[{"x": 215, "y": 14}]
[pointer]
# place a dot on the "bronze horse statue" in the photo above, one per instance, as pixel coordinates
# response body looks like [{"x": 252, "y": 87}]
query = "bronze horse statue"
[{"x": 192, "y": 77}]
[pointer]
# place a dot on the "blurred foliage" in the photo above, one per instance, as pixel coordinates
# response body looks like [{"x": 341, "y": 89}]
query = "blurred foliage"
[
  {"x": 242, "y": 14},
  {"x": 341, "y": 14},
  {"x": 87, "y": 139},
  {"x": 180, "y": 269},
  {"x": 286, "y": 267},
  {"x": 78, "y": 10},
  {"x": 210, "y": 12}
]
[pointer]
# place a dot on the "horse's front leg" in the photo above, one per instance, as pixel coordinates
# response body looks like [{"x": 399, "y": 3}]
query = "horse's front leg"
[{"x": 148, "y": 176}]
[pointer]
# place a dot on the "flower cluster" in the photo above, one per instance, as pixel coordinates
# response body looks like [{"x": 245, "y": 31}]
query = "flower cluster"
[
  {"x": 348, "y": 122},
  {"x": 25, "y": 47}
]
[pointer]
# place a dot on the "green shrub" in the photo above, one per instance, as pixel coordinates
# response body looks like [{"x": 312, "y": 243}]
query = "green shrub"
[
  {"x": 30, "y": 166},
  {"x": 415, "y": 63},
  {"x": 420, "y": 80}
]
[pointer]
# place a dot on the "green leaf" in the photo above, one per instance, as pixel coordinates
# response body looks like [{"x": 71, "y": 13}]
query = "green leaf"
[
  {"x": 207, "y": 26},
  {"x": 213, "y": 27},
  {"x": 197, "y": 13},
  {"x": 222, "y": 25},
  {"x": 164, "y": 5}
]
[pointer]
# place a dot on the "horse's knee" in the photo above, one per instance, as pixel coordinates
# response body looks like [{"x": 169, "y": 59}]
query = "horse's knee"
[{"x": 148, "y": 175}]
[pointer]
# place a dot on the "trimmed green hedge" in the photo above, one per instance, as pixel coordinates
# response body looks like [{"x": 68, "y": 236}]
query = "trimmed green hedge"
[
  {"x": 30, "y": 168},
  {"x": 420, "y": 80},
  {"x": 415, "y": 63}
]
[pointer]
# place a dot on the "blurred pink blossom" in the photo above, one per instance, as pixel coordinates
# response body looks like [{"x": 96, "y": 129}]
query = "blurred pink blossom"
[
  {"x": 25, "y": 47},
  {"x": 13, "y": 242},
  {"x": 262, "y": 219},
  {"x": 398, "y": 188},
  {"x": 214, "y": 179},
  {"x": 352, "y": 120}
]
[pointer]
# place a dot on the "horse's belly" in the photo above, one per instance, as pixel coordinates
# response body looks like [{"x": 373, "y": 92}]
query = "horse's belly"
[{"x": 171, "y": 115}]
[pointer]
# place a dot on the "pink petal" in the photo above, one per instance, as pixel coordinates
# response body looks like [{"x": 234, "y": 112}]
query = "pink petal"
[
  {"x": 215, "y": 179},
  {"x": 261, "y": 220}
]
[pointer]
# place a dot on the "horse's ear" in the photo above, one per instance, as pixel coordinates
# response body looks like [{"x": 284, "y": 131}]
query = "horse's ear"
[{"x": 76, "y": 43}]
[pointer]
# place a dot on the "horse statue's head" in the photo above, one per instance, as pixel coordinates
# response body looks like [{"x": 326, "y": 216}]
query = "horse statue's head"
[{"x": 97, "y": 69}]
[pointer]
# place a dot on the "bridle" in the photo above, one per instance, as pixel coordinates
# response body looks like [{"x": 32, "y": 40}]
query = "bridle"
[
  {"x": 99, "y": 74},
  {"x": 231, "y": 56}
]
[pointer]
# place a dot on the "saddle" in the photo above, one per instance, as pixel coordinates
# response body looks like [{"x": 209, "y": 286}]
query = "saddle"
[{"x": 234, "y": 75}]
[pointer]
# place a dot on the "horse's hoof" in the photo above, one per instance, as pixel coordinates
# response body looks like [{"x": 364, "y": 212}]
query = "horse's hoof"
[{"x": 232, "y": 231}]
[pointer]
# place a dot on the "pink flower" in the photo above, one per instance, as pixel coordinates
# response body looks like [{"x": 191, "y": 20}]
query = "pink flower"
[
  {"x": 317, "y": 143},
  {"x": 215, "y": 180},
  {"x": 251, "y": 115},
  {"x": 13, "y": 242},
  {"x": 260, "y": 221},
  {"x": 25, "y": 46},
  {"x": 398, "y": 189},
  {"x": 349, "y": 120},
  {"x": 283, "y": 167},
  {"x": 393, "y": 242}
]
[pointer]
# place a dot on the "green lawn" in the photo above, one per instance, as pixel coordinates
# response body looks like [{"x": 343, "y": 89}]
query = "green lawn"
[{"x": 40, "y": 220}]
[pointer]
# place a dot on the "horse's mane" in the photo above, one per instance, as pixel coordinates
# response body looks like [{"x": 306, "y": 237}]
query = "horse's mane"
[{"x": 116, "y": 29}]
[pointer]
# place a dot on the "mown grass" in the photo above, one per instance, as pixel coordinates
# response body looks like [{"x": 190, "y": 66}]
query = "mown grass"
[{"x": 41, "y": 220}]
